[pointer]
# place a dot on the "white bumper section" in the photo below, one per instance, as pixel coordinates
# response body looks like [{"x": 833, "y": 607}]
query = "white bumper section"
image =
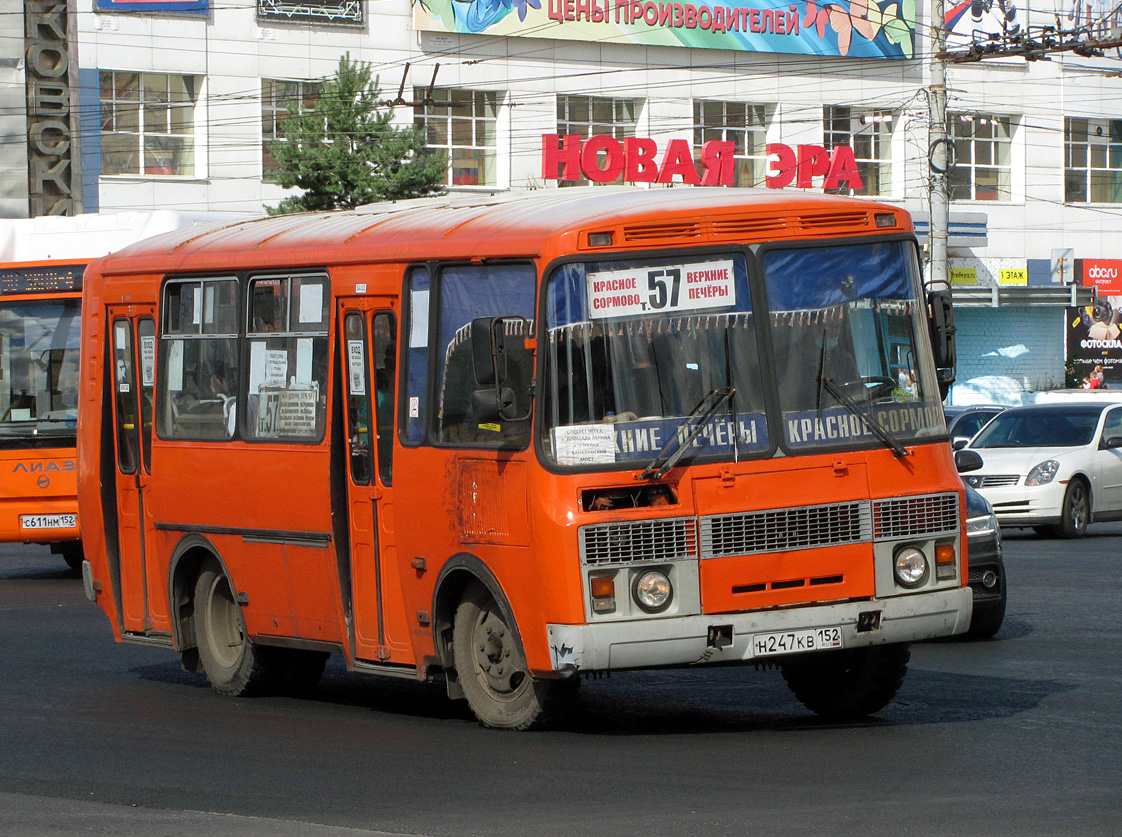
[{"x": 685, "y": 640}]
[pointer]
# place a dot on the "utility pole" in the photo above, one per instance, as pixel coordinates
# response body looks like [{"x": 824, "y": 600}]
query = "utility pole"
[{"x": 938, "y": 156}]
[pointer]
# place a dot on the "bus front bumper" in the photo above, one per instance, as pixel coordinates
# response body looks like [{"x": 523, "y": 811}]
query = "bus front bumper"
[{"x": 734, "y": 637}]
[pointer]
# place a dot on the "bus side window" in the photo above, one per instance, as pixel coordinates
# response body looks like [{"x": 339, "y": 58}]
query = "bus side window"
[
  {"x": 418, "y": 286},
  {"x": 385, "y": 389},
  {"x": 123, "y": 386},
  {"x": 288, "y": 353},
  {"x": 199, "y": 360},
  {"x": 358, "y": 400},
  {"x": 469, "y": 292}
]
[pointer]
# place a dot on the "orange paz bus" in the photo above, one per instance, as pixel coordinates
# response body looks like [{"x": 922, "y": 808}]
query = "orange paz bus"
[
  {"x": 506, "y": 441},
  {"x": 39, "y": 322}
]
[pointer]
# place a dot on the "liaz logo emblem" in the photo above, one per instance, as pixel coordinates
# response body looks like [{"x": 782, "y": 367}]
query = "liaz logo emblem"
[{"x": 42, "y": 467}]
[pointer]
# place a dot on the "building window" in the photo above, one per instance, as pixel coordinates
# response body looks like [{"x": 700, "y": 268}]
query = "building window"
[
  {"x": 461, "y": 123},
  {"x": 983, "y": 150},
  {"x": 742, "y": 124},
  {"x": 869, "y": 134},
  {"x": 148, "y": 123},
  {"x": 1092, "y": 160},
  {"x": 590, "y": 116},
  {"x": 279, "y": 100}
]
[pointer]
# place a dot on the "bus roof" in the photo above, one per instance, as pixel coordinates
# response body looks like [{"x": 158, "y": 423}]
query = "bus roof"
[{"x": 505, "y": 225}]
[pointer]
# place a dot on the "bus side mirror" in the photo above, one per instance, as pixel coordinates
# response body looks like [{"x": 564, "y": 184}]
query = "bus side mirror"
[
  {"x": 488, "y": 350},
  {"x": 940, "y": 320},
  {"x": 489, "y": 405},
  {"x": 493, "y": 401}
]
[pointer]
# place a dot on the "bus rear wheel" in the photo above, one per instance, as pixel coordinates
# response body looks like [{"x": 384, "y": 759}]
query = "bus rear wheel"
[
  {"x": 850, "y": 684},
  {"x": 233, "y": 665},
  {"x": 492, "y": 670}
]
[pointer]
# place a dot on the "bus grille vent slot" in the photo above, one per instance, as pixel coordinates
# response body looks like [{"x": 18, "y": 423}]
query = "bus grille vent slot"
[
  {"x": 737, "y": 227},
  {"x": 782, "y": 530},
  {"x": 834, "y": 219},
  {"x": 647, "y": 232},
  {"x": 910, "y": 517},
  {"x": 673, "y": 539}
]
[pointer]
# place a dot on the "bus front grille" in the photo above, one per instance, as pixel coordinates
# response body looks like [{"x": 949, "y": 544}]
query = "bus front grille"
[
  {"x": 673, "y": 539},
  {"x": 910, "y": 517},
  {"x": 783, "y": 530}
]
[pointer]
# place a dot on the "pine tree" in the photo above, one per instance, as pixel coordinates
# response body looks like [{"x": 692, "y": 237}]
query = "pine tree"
[{"x": 346, "y": 152}]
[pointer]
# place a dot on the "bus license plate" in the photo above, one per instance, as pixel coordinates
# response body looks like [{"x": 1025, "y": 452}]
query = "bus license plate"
[
  {"x": 48, "y": 521},
  {"x": 793, "y": 642}
]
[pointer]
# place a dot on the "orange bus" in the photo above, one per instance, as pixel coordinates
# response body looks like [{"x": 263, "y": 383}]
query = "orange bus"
[
  {"x": 39, "y": 322},
  {"x": 506, "y": 441}
]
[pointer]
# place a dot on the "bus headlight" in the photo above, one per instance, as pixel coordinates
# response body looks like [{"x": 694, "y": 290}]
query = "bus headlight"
[
  {"x": 910, "y": 566},
  {"x": 652, "y": 591}
]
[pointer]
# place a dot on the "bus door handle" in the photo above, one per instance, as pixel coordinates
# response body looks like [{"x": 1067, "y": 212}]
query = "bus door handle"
[{"x": 376, "y": 492}]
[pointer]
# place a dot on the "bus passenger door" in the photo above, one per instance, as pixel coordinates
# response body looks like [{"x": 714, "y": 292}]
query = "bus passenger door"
[
  {"x": 368, "y": 331},
  {"x": 133, "y": 335}
]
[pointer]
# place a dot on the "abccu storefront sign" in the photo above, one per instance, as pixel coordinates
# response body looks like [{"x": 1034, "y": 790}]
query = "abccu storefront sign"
[
  {"x": 605, "y": 159},
  {"x": 52, "y": 179}
]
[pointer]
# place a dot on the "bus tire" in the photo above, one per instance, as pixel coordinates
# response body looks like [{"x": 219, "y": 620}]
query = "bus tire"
[
  {"x": 302, "y": 671},
  {"x": 850, "y": 684},
  {"x": 72, "y": 554},
  {"x": 233, "y": 665},
  {"x": 492, "y": 671}
]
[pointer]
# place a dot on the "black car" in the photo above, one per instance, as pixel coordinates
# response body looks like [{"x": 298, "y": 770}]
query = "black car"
[
  {"x": 964, "y": 422},
  {"x": 986, "y": 567}
]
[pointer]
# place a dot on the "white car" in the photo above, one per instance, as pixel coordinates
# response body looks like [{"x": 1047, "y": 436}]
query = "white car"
[{"x": 1054, "y": 467}]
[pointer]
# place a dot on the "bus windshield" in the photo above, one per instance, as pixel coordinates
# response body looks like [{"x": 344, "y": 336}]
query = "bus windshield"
[
  {"x": 39, "y": 370},
  {"x": 843, "y": 326},
  {"x": 634, "y": 349}
]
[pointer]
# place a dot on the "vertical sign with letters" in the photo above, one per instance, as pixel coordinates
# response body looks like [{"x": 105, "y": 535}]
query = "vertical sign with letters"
[{"x": 54, "y": 185}]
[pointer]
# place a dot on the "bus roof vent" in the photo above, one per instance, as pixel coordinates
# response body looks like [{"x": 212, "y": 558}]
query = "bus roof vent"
[
  {"x": 747, "y": 225},
  {"x": 674, "y": 229},
  {"x": 834, "y": 219}
]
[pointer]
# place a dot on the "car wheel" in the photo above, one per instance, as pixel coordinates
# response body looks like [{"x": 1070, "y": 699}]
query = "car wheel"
[
  {"x": 1077, "y": 510},
  {"x": 987, "y": 618}
]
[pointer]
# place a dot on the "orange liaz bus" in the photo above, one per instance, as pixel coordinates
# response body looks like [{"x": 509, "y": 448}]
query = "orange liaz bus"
[
  {"x": 39, "y": 323},
  {"x": 509, "y": 441}
]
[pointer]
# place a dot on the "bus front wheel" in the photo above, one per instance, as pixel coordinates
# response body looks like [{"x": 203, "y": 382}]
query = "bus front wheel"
[
  {"x": 849, "y": 684},
  {"x": 233, "y": 665},
  {"x": 492, "y": 671}
]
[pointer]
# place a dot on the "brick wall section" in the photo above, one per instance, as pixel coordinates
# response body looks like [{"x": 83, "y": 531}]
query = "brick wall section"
[{"x": 982, "y": 331}]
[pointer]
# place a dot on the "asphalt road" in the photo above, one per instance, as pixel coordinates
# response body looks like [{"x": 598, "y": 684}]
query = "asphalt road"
[{"x": 1019, "y": 735}]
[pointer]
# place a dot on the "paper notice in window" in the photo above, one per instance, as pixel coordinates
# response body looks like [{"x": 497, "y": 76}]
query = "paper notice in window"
[
  {"x": 276, "y": 368},
  {"x": 667, "y": 289},
  {"x": 311, "y": 303},
  {"x": 356, "y": 366},
  {"x": 175, "y": 366},
  {"x": 584, "y": 444},
  {"x": 147, "y": 361}
]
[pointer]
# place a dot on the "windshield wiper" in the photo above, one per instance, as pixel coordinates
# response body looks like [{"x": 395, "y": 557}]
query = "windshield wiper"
[
  {"x": 697, "y": 419},
  {"x": 898, "y": 450}
]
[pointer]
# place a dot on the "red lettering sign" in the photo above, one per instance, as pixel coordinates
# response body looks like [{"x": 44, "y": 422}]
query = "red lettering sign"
[
  {"x": 604, "y": 159},
  {"x": 837, "y": 167},
  {"x": 1105, "y": 274}
]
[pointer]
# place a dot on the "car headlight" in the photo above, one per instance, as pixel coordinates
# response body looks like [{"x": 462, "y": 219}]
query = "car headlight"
[
  {"x": 910, "y": 566},
  {"x": 977, "y": 527},
  {"x": 652, "y": 591},
  {"x": 1043, "y": 473}
]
